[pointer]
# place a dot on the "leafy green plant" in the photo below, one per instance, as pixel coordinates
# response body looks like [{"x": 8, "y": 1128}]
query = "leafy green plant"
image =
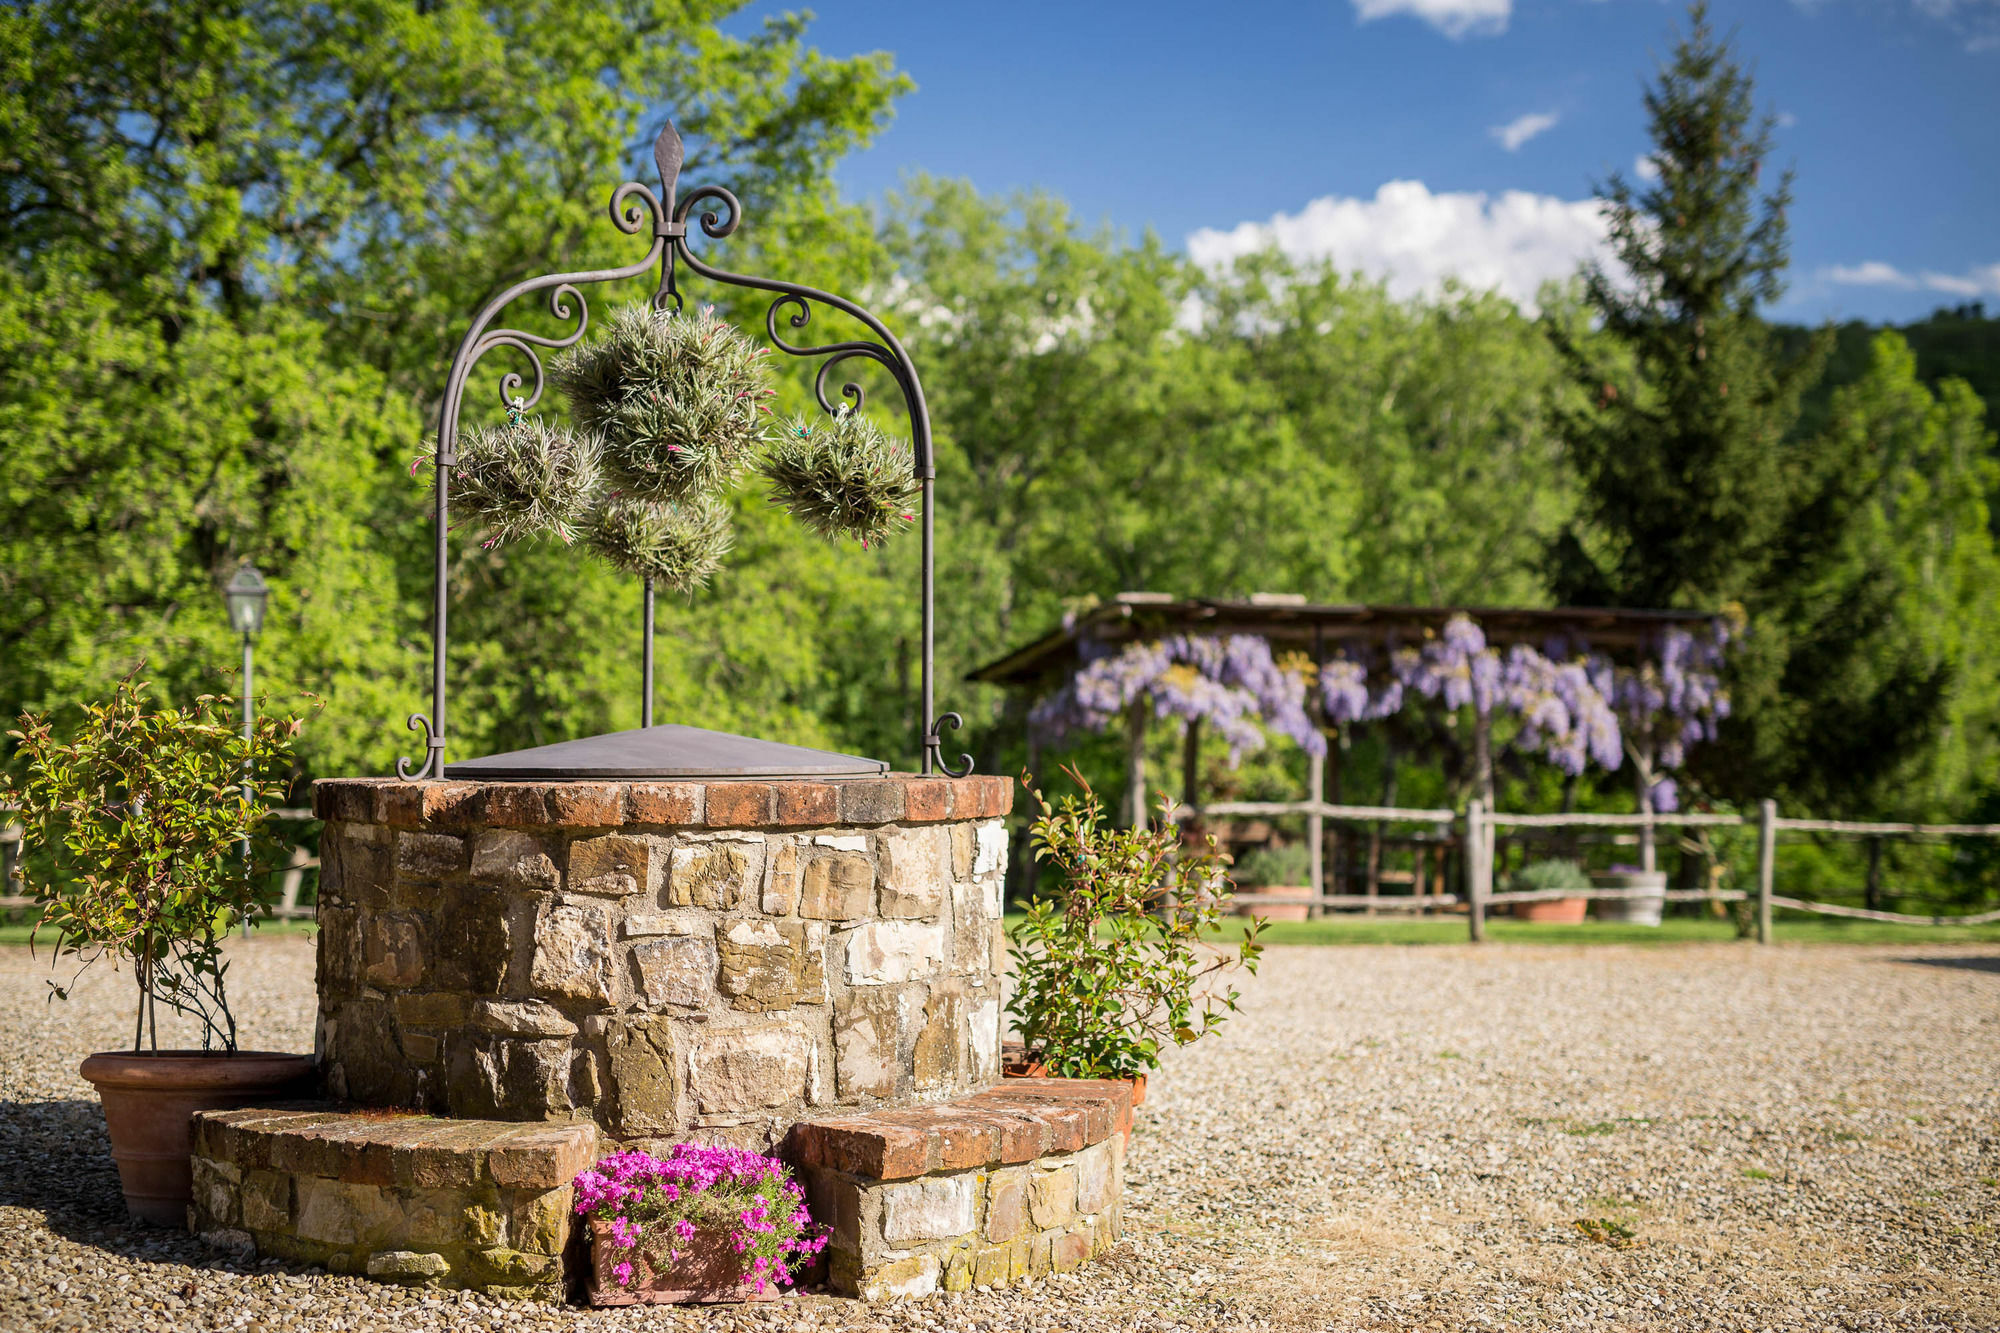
[
  {"x": 1566, "y": 876},
  {"x": 526, "y": 478},
  {"x": 1282, "y": 865},
  {"x": 681, "y": 542},
  {"x": 148, "y": 838},
  {"x": 1111, "y": 964}
]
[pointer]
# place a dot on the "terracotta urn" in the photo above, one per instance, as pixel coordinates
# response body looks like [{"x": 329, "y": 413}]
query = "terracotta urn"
[{"x": 150, "y": 1098}]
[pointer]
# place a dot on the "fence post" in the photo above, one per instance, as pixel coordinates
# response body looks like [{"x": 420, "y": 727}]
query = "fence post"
[
  {"x": 1767, "y": 859},
  {"x": 1315, "y": 831},
  {"x": 1475, "y": 868}
]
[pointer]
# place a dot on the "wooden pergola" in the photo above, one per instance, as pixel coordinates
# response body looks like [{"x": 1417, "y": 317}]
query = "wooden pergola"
[{"x": 1289, "y": 623}]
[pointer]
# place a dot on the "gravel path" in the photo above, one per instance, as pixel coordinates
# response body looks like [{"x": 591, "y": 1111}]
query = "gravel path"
[{"x": 1391, "y": 1138}]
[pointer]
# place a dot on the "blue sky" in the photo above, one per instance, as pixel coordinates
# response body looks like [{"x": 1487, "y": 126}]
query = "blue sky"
[{"x": 1416, "y": 138}]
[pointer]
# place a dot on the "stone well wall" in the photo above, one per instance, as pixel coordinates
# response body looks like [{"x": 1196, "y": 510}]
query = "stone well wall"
[{"x": 671, "y": 960}]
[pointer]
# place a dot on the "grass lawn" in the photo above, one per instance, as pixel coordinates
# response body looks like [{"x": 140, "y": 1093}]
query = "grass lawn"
[{"x": 15, "y": 931}]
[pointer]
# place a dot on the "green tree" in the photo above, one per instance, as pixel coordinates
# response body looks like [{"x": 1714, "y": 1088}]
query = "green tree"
[{"x": 243, "y": 240}]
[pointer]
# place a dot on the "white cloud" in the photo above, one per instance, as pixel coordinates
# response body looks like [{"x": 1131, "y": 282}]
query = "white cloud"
[
  {"x": 1981, "y": 280},
  {"x": 1412, "y": 239},
  {"x": 1523, "y": 128},
  {"x": 1453, "y": 18},
  {"x": 1645, "y": 168}
]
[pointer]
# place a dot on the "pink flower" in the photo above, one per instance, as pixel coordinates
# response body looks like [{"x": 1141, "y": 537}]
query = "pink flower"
[{"x": 623, "y": 1272}]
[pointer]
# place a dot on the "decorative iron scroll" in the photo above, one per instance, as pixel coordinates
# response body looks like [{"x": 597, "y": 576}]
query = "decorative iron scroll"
[{"x": 632, "y": 206}]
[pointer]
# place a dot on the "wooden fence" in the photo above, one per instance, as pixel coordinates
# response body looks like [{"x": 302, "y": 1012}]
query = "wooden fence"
[{"x": 1477, "y": 827}]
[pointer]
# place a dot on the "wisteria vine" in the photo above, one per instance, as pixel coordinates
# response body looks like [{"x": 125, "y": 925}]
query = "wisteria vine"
[{"x": 1573, "y": 707}]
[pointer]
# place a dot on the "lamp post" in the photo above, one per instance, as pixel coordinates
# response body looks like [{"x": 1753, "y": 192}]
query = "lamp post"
[{"x": 245, "y": 597}]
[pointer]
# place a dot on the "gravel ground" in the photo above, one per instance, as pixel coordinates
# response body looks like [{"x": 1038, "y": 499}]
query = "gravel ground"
[{"x": 1387, "y": 1138}]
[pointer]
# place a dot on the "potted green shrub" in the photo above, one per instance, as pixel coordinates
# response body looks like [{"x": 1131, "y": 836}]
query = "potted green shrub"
[
  {"x": 1108, "y": 966},
  {"x": 1275, "y": 883},
  {"x": 1552, "y": 876},
  {"x": 147, "y": 840}
]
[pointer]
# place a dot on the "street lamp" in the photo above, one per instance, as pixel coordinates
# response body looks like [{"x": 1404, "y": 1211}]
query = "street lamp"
[{"x": 245, "y": 597}]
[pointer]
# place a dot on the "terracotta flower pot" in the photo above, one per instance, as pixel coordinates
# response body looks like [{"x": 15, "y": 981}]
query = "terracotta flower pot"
[
  {"x": 1031, "y": 1068},
  {"x": 1562, "y": 911},
  {"x": 149, "y": 1103},
  {"x": 1275, "y": 903},
  {"x": 709, "y": 1271}
]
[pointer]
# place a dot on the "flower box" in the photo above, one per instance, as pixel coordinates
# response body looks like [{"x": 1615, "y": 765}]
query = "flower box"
[
  {"x": 701, "y": 1225},
  {"x": 709, "y": 1270}
]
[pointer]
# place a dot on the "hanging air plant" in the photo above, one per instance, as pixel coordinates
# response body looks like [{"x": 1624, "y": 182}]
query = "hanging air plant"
[
  {"x": 679, "y": 543},
  {"x": 678, "y": 400},
  {"x": 842, "y": 477},
  {"x": 526, "y": 479}
]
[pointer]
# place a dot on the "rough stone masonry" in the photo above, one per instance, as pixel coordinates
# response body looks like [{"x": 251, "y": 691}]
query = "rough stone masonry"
[{"x": 670, "y": 960}]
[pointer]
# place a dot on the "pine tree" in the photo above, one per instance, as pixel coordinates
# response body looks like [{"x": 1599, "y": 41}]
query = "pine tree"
[{"x": 1681, "y": 443}]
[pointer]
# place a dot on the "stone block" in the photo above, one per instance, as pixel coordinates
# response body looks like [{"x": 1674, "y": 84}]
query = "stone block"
[
  {"x": 335, "y": 1213},
  {"x": 366, "y": 1058},
  {"x": 675, "y": 970},
  {"x": 863, "y": 1145},
  {"x": 644, "y": 1060},
  {"x": 837, "y": 887},
  {"x": 842, "y": 842},
  {"x": 804, "y": 803},
  {"x": 434, "y": 1219},
  {"x": 1052, "y": 1196},
  {"x": 934, "y": 1057},
  {"x": 971, "y": 935},
  {"x": 664, "y": 803},
  {"x": 540, "y": 1157},
  {"x": 509, "y": 1267},
  {"x": 964, "y": 845},
  {"x": 958, "y": 1270},
  {"x": 431, "y": 1009},
  {"x": 641, "y": 925},
  {"x": 541, "y": 1222},
  {"x": 982, "y": 1038},
  {"x": 485, "y": 1226},
  {"x": 835, "y": 1203},
  {"x": 935, "y": 1208},
  {"x": 870, "y": 1038},
  {"x": 1070, "y": 1251},
  {"x": 428, "y": 856},
  {"x": 509, "y": 859},
  {"x": 905, "y": 1279},
  {"x": 394, "y": 953},
  {"x": 882, "y": 953},
  {"x": 717, "y": 875},
  {"x": 1006, "y": 1205},
  {"x": 990, "y": 853},
  {"x": 407, "y": 1266},
  {"x": 613, "y": 866},
  {"x": 873, "y": 801},
  {"x": 573, "y": 951},
  {"x": 927, "y": 800},
  {"x": 1096, "y": 1180},
  {"x": 997, "y": 1265},
  {"x": 916, "y": 871},
  {"x": 506, "y": 1078},
  {"x": 216, "y": 1193},
  {"x": 770, "y": 965},
  {"x": 338, "y": 951},
  {"x": 585, "y": 804},
  {"x": 781, "y": 880},
  {"x": 521, "y": 1018},
  {"x": 741, "y": 804},
  {"x": 474, "y": 932},
  {"x": 751, "y": 1068}
]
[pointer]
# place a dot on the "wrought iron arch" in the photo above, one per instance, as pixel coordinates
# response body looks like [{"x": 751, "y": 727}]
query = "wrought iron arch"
[{"x": 632, "y": 206}]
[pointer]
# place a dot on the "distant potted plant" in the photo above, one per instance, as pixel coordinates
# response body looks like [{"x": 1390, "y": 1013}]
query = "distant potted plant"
[
  {"x": 1644, "y": 908},
  {"x": 1107, "y": 966},
  {"x": 1275, "y": 883},
  {"x": 1551, "y": 876},
  {"x": 700, "y": 1225},
  {"x": 146, "y": 842}
]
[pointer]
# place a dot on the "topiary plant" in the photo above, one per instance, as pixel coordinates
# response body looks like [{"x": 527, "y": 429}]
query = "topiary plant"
[
  {"x": 147, "y": 840},
  {"x": 680, "y": 543},
  {"x": 842, "y": 477},
  {"x": 678, "y": 401},
  {"x": 1109, "y": 966},
  {"x": 527, "y": 478}
]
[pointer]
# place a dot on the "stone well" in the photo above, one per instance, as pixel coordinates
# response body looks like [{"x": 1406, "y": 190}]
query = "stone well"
[{"x": 711, "y": 959}]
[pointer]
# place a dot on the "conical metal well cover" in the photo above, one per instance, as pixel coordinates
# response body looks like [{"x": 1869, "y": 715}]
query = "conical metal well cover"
[{"x": 669, "y": 751}]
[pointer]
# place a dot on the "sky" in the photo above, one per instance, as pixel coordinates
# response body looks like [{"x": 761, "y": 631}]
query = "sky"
[{"x": 1419, "y": 139}]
